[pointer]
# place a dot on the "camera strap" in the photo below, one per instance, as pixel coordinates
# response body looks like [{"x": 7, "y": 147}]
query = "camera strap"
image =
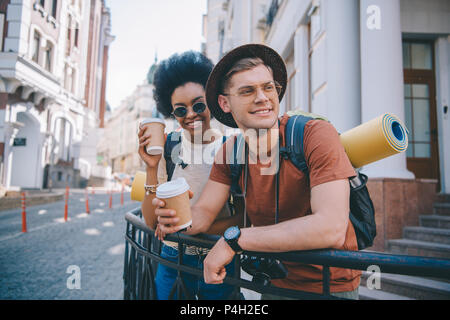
[{"x": 245, "y": 184}]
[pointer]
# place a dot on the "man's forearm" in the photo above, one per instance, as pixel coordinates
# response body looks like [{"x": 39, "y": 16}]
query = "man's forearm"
[
  {"x": 305, "y": 233},
  {"x": 200, "y": 223}
]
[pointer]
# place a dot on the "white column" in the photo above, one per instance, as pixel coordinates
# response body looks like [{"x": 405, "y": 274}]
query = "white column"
[
  {"x": 382, "y": 75},
  {"x": 343, "y": 63},
  {"x": 301, "y": 65}
]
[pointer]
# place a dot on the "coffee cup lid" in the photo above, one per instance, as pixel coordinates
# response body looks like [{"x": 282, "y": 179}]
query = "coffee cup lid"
[
  {"x": 151, "y": 120},
  {"x": 172, "y": 188}
]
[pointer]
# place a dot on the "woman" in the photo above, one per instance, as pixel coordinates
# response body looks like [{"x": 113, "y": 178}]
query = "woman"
[{"x": 180, "y": 93}]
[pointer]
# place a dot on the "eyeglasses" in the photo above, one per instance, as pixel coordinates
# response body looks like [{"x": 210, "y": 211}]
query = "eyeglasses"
[
  {"x": 249, "y": 92},
  {"x": 181, "y": 112}
]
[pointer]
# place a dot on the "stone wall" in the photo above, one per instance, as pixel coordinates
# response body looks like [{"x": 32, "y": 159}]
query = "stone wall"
[{"x": 399, "y": 203}]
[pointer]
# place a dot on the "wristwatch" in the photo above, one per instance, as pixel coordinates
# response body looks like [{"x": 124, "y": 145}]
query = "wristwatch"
[{"x": 231, "y": 236}]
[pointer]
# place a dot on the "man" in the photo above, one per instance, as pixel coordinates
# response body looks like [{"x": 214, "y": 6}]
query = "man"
[{"x": 244, "y": 90}]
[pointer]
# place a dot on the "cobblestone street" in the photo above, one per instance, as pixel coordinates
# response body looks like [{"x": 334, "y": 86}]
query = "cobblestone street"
[{"x": 39, "y": 263}]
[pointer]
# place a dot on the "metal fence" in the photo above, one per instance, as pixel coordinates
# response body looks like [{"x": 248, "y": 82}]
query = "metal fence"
[{"x": 142, "y": 256}]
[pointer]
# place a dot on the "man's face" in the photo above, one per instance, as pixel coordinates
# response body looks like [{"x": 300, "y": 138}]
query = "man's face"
[{"x": 252, "y": 99}]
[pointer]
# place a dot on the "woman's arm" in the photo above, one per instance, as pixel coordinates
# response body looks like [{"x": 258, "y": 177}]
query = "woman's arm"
[{"x": 151, "y": 162}]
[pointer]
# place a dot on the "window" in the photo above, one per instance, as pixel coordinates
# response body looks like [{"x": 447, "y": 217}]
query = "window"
[
  {"x": 48, "y": 57},
  {"x": 417, "y": 55},
  {"x": 68, "y": 78},
  {"x": 77, "y": 28},
  {"x": 35, "y": 47},
  {"x": 73, "y": 81},
  {"x": 69, "y": 35},
  {"x": 54, "y": 8}
]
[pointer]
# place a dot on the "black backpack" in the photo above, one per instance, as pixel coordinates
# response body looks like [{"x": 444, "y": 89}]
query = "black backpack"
[{"x": 362, "y": 212}]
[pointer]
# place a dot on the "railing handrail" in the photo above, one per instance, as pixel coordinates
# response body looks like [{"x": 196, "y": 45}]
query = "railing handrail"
[
  {"x": 358, "y": 260},
  {"x": 141, "y": 252}
]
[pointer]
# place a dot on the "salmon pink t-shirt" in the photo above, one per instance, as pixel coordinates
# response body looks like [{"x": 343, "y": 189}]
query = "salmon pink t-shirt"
[{"x": 327, "y": 161}]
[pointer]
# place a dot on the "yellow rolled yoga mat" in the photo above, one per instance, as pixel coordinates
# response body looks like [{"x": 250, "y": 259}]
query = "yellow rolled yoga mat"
[
  {"x": 375, "y": 140},
  {"x": 137, "y": 187}
]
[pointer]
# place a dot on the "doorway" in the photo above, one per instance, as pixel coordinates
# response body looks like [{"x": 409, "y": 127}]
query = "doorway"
[{"x": 420, "y": 109}]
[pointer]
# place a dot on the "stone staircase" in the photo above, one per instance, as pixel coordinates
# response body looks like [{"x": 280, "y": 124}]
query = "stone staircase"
[{"x": 430, "y": 239}]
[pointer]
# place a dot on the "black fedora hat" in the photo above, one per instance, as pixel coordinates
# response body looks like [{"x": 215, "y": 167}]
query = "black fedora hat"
[{"x": 269, "y": 56}]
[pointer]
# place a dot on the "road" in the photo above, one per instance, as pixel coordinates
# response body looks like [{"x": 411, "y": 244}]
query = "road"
[{"x": 78, "y": 259}]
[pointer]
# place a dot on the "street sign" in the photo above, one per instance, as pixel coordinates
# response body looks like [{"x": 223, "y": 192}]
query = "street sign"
[{"x": 20, "y": 142}]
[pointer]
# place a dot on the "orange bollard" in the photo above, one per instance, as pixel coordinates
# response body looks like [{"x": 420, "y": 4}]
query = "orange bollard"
[
  {"x": 110, "y": 199},
  {"x": 66, "y": 206},
  {"x": 121, "y": 196},
  {"x": 87, "y": 201},
  {"x": 24, "y": 214}
]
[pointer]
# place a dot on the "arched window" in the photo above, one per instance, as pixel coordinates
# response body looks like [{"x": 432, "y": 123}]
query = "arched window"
[
  {"x": 48, "y": 55},
  {"x": 35, "y": 46}
]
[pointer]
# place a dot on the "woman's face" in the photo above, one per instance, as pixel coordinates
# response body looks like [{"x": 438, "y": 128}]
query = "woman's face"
[{"x": 187, "y": 96}]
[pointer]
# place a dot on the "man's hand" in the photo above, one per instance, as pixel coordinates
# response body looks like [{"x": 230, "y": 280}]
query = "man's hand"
[
  {"x": 166, "y": 218},
  {"x": 214, "y": 265}
]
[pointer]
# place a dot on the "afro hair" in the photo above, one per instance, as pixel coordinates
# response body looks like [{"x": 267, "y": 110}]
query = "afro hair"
[{"x": 176, "y": 71}]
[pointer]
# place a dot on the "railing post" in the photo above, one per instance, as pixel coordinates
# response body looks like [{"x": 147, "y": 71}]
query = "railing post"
[
  {"x": 326, "y": 280},
  {"x": 66, "y": 205},
  {"x": 24, "y": 213}
]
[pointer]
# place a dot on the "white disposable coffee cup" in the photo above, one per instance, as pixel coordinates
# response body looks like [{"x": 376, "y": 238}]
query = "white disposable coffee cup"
[
  {"x": 175, "y": 194},
  {"x": 156, "y": 127}
]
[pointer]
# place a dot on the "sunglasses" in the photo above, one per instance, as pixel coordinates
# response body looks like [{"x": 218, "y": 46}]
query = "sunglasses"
[{"x": 181, "y": 112}]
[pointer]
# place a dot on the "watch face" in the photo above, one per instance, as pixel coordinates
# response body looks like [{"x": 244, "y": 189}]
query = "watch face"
[{"x": 231, "y": 233}]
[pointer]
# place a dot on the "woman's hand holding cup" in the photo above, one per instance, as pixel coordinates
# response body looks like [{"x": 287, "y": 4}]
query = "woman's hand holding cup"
[{"x": 144, "y": 140}]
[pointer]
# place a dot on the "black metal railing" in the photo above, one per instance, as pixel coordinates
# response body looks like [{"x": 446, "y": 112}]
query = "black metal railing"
[{"x": 142, "y": 255}]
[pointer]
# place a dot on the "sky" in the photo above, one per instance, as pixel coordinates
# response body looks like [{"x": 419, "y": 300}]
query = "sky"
[{"x": 142, "y": 28}]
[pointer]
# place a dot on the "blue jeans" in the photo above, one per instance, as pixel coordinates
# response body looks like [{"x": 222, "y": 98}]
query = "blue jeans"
[{"x": 195, "y": 286}]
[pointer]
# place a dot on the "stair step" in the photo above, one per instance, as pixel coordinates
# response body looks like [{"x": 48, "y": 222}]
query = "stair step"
[
  {"x": 441, "y": 208},
  {"x": 419, "y": 248},
  {"x": 412, "y": 287},
  {"x": 435, "y": 221},
  {"x": 442, "y": 197},
  {"x": 367, "y": 294},
  {"x": 436, "y": 235}
]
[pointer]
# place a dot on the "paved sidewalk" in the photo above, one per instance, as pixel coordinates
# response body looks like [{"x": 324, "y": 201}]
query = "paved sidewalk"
[{"x": 44, "y": 262}]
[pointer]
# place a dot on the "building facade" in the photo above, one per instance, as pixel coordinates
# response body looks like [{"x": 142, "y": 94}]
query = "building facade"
[
  {"x": 351, "y": 61},
  {"x": 53, "y": 62},
  {"x": 119, "y": 145}
]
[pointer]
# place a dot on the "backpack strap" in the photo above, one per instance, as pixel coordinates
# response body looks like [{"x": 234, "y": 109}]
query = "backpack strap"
[
  {"x": 237, "y": 165},
  {"x": 173, "y": 139},
  {"x": 293, "y": 146}
]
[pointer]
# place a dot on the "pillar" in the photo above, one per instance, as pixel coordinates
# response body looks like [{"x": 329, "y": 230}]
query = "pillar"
[{"x": 382, "y": 75}]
